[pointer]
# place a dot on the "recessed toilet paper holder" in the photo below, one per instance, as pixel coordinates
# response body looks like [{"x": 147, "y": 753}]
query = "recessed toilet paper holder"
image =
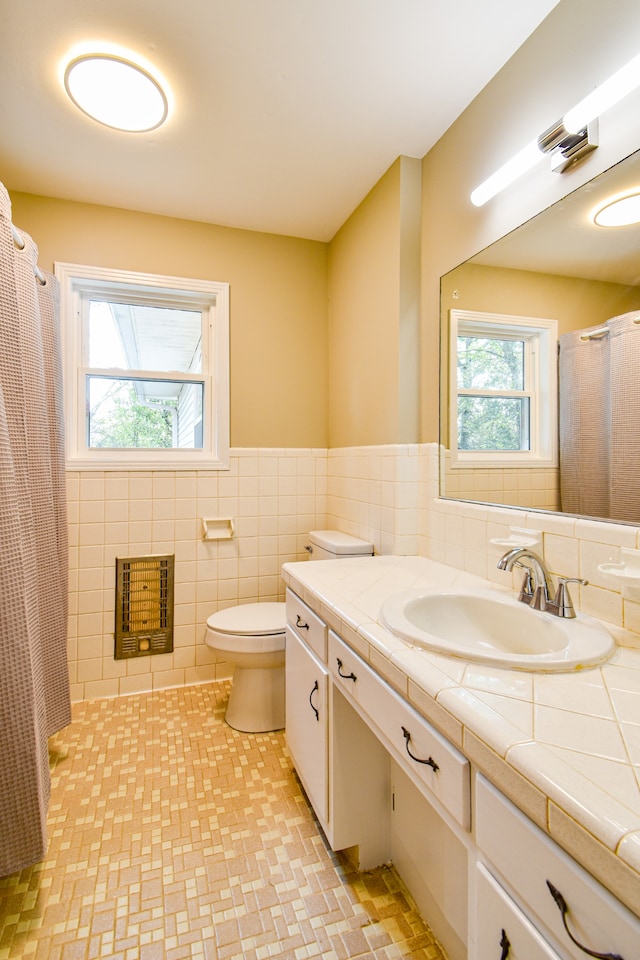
[{"x": 217, "y": 528}]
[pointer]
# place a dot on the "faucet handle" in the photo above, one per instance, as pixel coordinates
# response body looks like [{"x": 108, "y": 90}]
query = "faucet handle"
[
  {"x": 562, "y": 600},
  {"x": 526, "y": 589}
]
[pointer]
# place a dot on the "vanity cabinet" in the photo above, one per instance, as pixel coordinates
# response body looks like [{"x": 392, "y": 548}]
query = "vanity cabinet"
[
  {"x": 385, "y": 783},
  {"x": 532, "y": 871}
]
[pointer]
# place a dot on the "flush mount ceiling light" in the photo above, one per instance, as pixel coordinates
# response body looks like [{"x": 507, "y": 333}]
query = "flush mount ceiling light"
[
  {"x": 116, "y": 92},
  {"x": 569, "y": 139},
  {"x": 618, "y": 211}
]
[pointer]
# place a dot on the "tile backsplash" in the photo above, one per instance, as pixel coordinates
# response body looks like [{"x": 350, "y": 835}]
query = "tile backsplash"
[
  {"x": 386, "y": 494},
  {"x": 460, "y": 533}
]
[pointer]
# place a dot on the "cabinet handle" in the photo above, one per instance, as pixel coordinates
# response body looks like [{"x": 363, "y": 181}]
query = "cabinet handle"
[
  {"x": 315, "y": 709},
  {"x": 300, "y": 622},
  {"x": 345, "y": 676},
  {"x": 505, "y": 944},
  {"x": 430, "y": 762},
  {"x": 561, "y": 904}
]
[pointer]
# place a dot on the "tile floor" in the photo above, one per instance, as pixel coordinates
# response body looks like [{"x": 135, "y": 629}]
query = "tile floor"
[{"x": 172, "y": 836}]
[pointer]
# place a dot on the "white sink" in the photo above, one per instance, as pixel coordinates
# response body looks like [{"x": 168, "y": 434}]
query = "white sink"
[{"x": 497, "y": 629}]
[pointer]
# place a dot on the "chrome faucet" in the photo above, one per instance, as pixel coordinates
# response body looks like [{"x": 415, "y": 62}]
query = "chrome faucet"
[{"x": 537, "y": 587}]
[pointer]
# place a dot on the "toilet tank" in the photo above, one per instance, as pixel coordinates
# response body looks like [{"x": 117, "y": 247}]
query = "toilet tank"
[{"x": 334, "y": 545}]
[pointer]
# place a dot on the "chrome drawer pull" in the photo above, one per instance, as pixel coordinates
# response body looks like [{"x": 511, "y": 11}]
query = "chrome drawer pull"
[
  {"x": 300, "y": 623},
  {"x": 561, "y": 904},
  {"x": 315, "y": 709},
  {"x": 506, "y": 946},
  {"x": 345, "y": 676},
  {"x": 407, "y": 740}
]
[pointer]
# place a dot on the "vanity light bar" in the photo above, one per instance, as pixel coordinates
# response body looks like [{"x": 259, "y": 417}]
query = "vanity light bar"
[
  {"x": 623, "y": 82},
  {"x": 510, "y": 171},
  {"x": 569, "y": 139}
]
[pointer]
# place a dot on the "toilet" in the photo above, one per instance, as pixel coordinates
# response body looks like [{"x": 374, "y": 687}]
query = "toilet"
[{"x": 251, "y": 637}]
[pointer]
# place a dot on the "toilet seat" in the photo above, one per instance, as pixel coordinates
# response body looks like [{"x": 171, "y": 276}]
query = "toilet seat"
[
  {"x": 250, "y": 620},
  {"x": 251, "y": 628}
]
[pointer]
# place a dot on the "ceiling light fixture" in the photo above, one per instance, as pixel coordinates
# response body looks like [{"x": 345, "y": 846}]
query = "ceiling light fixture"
[
  {"x": 568, "y": 140},
  {"x": 116, "y": 92},
  {"x": 620, "y": 211}
]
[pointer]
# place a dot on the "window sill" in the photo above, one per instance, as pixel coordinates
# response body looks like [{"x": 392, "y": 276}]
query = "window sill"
[{"x": 502, "y": 463}]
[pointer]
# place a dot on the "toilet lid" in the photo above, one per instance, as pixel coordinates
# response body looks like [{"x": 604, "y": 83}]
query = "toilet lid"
[
  {"x": 250, "y": 619},
  {"x": 338, "y": 543}
]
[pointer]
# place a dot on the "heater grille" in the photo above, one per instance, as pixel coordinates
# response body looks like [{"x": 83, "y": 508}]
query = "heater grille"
[{"x": 144, "y": 606}]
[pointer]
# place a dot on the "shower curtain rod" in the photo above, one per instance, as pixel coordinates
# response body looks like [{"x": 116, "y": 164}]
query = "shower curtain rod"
[
  {"x": 20, "y": 244},
  {"x": 595, "y": 334},
  {"x": 600, "y": 332}
]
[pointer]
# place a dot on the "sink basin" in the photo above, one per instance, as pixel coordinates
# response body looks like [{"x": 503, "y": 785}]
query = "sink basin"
[{"x": 497, "y": 629}]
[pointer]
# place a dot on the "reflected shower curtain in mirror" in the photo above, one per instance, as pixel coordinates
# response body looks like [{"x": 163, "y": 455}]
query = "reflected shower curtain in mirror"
[
  {"x": 599, "y": 417},
  {"x": 34, "y": 682}
]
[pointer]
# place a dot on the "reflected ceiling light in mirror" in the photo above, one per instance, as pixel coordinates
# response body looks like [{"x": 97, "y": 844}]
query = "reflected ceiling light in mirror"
[
  {"x": 116, "y": 92},
  {"x": 618, "y": 211}
]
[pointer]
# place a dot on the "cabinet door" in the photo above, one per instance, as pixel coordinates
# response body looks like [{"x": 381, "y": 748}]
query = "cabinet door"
[
  {"x": 307, "y": 721},
  {"x": 503, "y": 932}
]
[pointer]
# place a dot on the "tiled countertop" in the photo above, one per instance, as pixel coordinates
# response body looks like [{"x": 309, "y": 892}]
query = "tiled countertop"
[{"x": 564, "y": 747}]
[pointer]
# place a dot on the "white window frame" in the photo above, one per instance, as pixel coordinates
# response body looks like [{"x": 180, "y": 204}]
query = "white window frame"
[
  {"x": 541, "y": 386},
  {"x": 77, "y": 283}
]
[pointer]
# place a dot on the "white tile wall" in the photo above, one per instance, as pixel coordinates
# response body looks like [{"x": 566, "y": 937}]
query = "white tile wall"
[
  {"x": 274, "y": 496},
  {"x": 372, "y": 492},
  {"x": 386, "y": 494}
]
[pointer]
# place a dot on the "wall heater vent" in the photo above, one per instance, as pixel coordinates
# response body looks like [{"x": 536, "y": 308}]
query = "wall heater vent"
[{"x": 144, "y": 606}]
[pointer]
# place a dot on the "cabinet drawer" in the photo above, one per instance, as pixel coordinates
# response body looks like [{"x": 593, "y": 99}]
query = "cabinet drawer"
[
  {"x": 432, "y": 763},
  {"x": 529, "y": 860},
  {"x": 502, "y": 928},
  {"x": 307, "y": 625}
]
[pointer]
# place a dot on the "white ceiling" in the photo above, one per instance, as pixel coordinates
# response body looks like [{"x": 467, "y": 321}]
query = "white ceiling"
[{"x": 285, "y": 113}]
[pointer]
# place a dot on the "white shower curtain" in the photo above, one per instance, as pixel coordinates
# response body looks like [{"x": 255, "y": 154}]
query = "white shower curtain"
[
  {"x": 600, "y": 420},
  {"x": 34, "y": 682}
]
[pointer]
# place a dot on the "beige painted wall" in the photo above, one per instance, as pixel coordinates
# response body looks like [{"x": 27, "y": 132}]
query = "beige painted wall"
[
  {"x": 349, "y": 375},
  {"x": 572, "y": 301},
  {"x": 374, "y": 315},
  {"x": 278, "y": 294},
  {"x": 550, "y": 73}
]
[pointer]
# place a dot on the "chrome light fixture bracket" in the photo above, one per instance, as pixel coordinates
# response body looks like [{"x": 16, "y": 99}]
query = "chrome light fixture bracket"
[{"x": 564, "y": 148}]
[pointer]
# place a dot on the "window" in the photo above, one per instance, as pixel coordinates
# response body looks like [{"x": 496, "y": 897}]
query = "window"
[
  {"x": 503, "y": 375},
  {"x": 146, "y": 363}
]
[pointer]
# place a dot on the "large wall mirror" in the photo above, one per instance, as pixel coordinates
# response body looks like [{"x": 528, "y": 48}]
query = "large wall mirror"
[{"x": 547, "y": 420}]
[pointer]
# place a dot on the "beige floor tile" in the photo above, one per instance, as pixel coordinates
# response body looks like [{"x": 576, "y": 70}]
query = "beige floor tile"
[{"x": 173, "y": 836}]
